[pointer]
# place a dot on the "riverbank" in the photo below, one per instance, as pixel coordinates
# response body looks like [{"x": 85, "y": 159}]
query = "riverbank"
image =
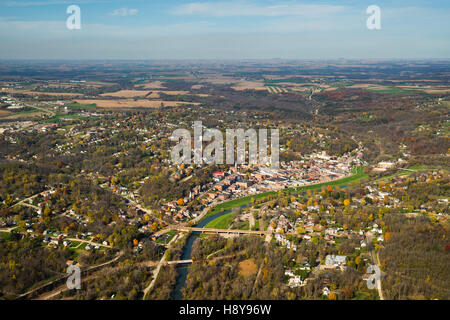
[{"x": 358, "y": 174}]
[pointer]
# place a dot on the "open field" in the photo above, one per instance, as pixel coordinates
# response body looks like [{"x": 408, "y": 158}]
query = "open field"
[
  {"x": 249, "y": 85},
  {"x": 242, "y": 88},
  {"x": 4, "y": 113},
  {"x": 411, "y": 170},
  {"x": 274, "y": 89},
  {"x": 156, "y": 94},
  {"x": 35, "y": 93},
  {"x": 151, "y": 85},
  {"x": 23, "y": 114},
  {"x": 169, "y": 92},
  {"x": 401, "y": 88},
  {"x": 143, "y": 93},
  {"x": 247, "y": 267},
  {"x": 126, "y": 94},
  {"x": 129, "y": 103},
  {"x": 222, "y": 222}
]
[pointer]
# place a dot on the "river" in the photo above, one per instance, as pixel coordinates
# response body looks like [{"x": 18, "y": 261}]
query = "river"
[{"x": 183, "y": 269}]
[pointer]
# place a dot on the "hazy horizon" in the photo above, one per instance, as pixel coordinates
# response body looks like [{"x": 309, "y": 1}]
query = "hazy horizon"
[{"x": 224, "y": 30}]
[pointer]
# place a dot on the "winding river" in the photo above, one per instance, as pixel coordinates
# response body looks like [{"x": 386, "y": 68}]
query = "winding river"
[{"x": 183, "y": 269}]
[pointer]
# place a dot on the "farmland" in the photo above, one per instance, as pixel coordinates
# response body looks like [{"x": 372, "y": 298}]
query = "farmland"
[{"x": 128, "y": 103}]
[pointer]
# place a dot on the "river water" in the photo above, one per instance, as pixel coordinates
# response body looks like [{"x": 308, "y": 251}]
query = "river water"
[{"x": 183, "y": 269}]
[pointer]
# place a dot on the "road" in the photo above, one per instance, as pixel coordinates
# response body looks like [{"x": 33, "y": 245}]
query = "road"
[
  {"x": 64, "y": 276},
  {"x": 193, "y": 221},
  {"x": 64, "y": 238},
  {"x": 375, "y": 261},
  {"x": 261, "y": 224},
  {"x": 213, "y": 230},
  {"x": 52, "y": 113},
  {"x": 62, "y": 288},
  {"x": 157, "y": 269},
  {"x": 133, "y": 202},
  {"x": 24, "y": 201}
]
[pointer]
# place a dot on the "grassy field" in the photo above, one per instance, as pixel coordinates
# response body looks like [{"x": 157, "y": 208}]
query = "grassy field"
[
  {"x": 221, "y": 222},
  {"x": 411, "y": 170},
  {"x": 77, "y": 106},
  {"x": 358, "y": 174},
  {"x": 243, "y": 225},
  {"x": 5, "y": 235},
  {"x": 74, "y": 244},
  {"x": 65, "y": 117}
]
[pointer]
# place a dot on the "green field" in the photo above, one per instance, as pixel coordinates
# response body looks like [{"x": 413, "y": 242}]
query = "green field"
[
  {"x": 5, "y": 235},
  {"x": 393, "y": 90},
  {"x": 62, "y": 116},
  {"x": 171, "y": 234},
  {"x": 221, "y": 222},
  {"x": 411, "y": 170},
  {"x": 74, "y": 244},
  {"x": 243, "y": 225},
  {"x": 77, "y": 106}
]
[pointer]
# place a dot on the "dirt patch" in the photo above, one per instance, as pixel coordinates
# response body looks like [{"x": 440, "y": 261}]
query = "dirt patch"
[
  {"x": 247, "y": 268},
  {"x": 34, "y": 93},
  {"x": 4, "y": 113},
  {"x": 151, "y": 85},
  {"x": 129, "y": 103},
  {"x": 126, "y": 94},
  {"x": 172, "y": 92},
  {"x": 155, "y": 94}
]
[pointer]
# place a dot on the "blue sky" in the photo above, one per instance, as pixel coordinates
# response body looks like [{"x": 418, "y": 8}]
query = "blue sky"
[{"x": 242, "y": 29}]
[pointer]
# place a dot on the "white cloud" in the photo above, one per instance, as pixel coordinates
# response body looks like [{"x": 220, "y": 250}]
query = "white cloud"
[
  {"x": 226, "y": 9},
  {"x": 124, "y": 12}
]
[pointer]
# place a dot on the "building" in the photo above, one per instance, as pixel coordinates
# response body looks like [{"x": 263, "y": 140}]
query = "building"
[{"x": 334, "y": 262}]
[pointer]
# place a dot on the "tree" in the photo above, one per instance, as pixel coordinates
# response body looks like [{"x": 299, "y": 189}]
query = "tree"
[
  {"x": 301, "y": 230},
  {"x": 348, "y": 293},
  {"x": 387, "y": 236},
  {"x": 46, "y": 211},
  {"x": 154, "y": 227}
]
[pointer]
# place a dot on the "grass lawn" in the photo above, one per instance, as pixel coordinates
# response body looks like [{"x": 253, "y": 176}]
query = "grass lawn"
[
  {"x": 82, "y": 246},
  {"x": 411, "y": 170},
  {"x": 74, "y": 244},
  {"x": 5, "y": 235},
  {"x": 62, "y": 117},
  {"x": 392, "y": 90},
  {"x": 75, "y": 106},
  {"x": 164, "y": 240},
  {"x": 243, "y": 225},
  {"x": 221, "y": 222}
]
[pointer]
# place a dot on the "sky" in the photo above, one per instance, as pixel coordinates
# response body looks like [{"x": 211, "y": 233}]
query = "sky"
[{"x": 237, "y": 29}]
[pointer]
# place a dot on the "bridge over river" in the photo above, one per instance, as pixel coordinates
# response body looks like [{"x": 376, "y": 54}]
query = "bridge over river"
[{"x": 228, "y": 231}]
